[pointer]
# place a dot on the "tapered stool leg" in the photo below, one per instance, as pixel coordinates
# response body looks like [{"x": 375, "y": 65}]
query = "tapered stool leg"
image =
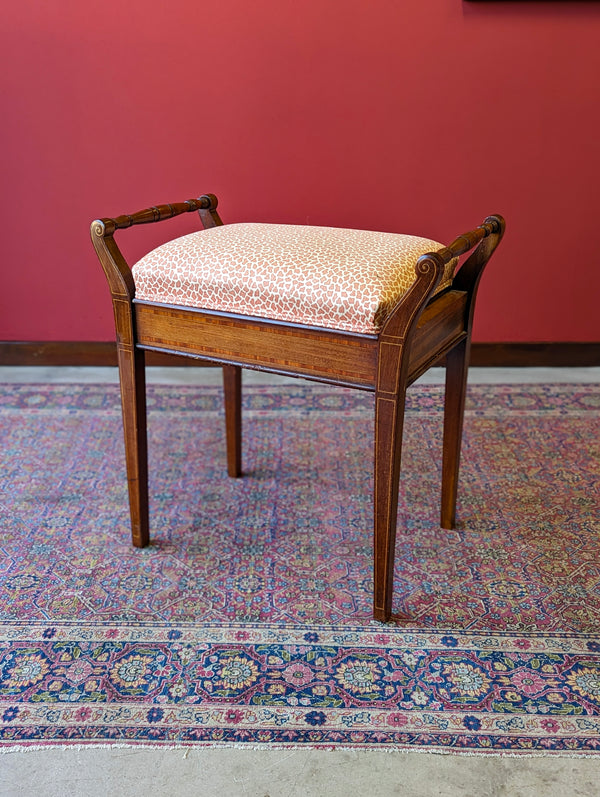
[
  {"x": 457, "y": 365},
  {"x": 133, "y": 401},
  {"x": 232, "y": 387},
  {"x": 389, "y": 422}
]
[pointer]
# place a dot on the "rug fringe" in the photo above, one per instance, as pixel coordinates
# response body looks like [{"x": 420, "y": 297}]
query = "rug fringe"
[{"x": 185, "y": 749}]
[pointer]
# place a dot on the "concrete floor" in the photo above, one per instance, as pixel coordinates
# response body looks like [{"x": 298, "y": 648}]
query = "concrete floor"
[
  {"x": 230, "y": 772},
  {"x": 290, "y": 773},
  {"x": 212, "y": 376}
]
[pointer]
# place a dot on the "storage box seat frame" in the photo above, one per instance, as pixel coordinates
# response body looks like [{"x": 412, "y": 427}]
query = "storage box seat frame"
[{"x": 422, "y": 329}]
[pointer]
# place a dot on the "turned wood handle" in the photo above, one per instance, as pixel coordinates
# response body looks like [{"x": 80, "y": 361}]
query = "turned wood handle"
[
  {"x": 158, "y": 213},
  {"x": 491, "y": 225}
]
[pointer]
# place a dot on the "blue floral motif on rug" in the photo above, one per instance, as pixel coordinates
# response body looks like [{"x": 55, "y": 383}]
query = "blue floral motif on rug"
[{"x": 248, "y": 619}]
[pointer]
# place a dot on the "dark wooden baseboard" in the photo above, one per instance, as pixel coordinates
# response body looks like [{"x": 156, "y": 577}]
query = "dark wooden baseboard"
[
  {"x": 490, "y": 355},
  {"x": 535, "y": 355},
  {"x": 73, "y": 353}
]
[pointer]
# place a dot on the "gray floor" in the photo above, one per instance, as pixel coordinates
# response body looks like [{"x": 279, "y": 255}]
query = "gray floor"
[
  {"x": 229, "y": 772},
  {"x": 183, "y": 376}
]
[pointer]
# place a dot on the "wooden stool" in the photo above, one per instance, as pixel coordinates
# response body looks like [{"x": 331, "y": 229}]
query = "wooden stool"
[{"x": 355, "y": 308}]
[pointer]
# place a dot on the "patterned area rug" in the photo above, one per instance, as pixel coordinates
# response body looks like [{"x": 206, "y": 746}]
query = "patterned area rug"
[{"x": 248, "y": 619}]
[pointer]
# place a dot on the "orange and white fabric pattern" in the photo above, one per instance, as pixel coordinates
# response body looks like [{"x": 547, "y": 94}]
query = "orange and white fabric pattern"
[{"x": 320, "y": 276}]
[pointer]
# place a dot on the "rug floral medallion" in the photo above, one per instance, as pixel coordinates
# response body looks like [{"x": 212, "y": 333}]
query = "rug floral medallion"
[{"x": 247, "y": 621}]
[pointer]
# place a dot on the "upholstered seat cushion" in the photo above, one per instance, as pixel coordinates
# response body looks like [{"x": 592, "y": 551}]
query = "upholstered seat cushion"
[{"x": 320, "y": 276}]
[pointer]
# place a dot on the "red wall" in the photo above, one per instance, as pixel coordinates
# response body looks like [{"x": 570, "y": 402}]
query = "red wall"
[{"x": 402, "y": 115}]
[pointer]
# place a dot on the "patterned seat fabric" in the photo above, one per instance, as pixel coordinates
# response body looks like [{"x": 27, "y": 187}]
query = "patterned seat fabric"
[{"x": 320, "y": 276}]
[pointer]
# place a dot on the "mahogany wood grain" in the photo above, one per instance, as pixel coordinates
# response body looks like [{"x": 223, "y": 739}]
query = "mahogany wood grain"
[
  {"x": 206, "y": 205},
  {"x": 390, "y": 394},
  {"x": 440, "y": 327},
  {"x": 232, "y": 388},
  {"x": 454, "y": 410},
  {"x": 417, "y": 333},
  {"x": 342, "y": 358},
  {"x": 133, "y": 404},
  {"x": 457, "y": 365}
]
